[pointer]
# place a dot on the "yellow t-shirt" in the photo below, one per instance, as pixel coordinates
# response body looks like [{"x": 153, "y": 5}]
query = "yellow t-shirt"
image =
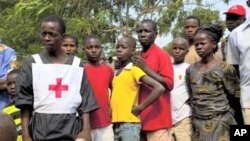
[{"x": 125, "y": 94}]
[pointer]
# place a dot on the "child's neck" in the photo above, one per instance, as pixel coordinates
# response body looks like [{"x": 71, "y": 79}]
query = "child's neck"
[
  {"x": 125, "y": 63},
  {"x": 178, "y": 62},
  {"x": 93, "y": 63}
]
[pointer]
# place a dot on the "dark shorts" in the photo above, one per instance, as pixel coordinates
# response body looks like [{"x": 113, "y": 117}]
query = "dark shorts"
[{"x": 54, "y": 127}]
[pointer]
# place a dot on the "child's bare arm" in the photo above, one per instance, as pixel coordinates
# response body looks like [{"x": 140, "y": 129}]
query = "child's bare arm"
[
  {"x": 84, "y": 135},
  {"x": 156, "y": 92},
  {"x": 25, "y": 117}
]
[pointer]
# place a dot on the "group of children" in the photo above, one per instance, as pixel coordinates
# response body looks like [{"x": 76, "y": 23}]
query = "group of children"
[
  {"x": 61, "y": 98},
  {"x": 205, "y": 98}
]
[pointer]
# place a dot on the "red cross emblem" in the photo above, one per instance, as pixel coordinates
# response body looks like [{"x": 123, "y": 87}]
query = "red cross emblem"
[{"x": 58, "y": 88}]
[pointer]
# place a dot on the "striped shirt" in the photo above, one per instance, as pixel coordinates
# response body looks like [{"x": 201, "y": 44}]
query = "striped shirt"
[{"x": 15, "y": 114}]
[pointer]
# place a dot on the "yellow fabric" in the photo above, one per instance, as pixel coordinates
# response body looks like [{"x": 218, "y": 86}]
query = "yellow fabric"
[
  {"x": 125, "y": 94},
  {"x": 10, "y": 110},
  {"x": 13, "y": 111},
  {"x": 19, "y": 138}
]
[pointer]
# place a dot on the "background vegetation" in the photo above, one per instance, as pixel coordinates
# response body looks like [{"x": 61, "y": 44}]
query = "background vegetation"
[{"x": 20, "y": 19}]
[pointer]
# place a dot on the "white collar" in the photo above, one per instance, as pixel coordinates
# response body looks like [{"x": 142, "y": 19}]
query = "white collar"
[{"x": 128, "y": 66}]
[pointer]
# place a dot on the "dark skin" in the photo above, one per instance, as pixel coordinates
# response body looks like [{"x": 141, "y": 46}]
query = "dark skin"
[
  {"x": 7, "y": 128},
  {"x": 179, "y": 50},
  {"x": 93, "y": 51},
  {"x": 204, "y": 46},
  {"x": 11, "y": 84},
  {"x": 190, "y": 27},
  {"x": 146, "y": 36},
  {"x": 124, "y": 52},
  {"x": 69, "y": 46},
  {"x": 52, "y": 38},
  {"x": 233, "y": 21}
]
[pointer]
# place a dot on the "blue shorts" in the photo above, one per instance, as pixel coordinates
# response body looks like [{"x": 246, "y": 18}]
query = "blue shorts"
[{"x": 127, "y": 131}]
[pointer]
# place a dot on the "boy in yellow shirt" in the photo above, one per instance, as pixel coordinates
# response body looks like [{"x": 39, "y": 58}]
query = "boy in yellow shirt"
[{"x": 124, "y": 99}]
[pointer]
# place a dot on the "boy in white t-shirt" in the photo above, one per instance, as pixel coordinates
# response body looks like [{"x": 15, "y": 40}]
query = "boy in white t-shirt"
[{"x": 181, "y": 111}]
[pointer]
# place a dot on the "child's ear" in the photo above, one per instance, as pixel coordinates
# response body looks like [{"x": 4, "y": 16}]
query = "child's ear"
[{"x": 156, "y": 34}]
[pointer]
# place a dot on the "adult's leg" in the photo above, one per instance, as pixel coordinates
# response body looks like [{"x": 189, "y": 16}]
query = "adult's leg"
[
  {"x": 183, "y": 130},
  {"x": 246, "y": 115}
]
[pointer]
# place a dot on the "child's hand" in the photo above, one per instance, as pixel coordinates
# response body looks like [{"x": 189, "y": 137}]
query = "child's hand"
[
  {"x": 136, "y": 110},
  {"x": 84, "y": 136}
]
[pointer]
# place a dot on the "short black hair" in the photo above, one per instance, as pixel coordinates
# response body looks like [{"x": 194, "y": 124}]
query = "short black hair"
[
  {"x": 14, "y": 71},
  {"x": 152, "y": 22},
  {"x": 131, "y": 40},
  {"x": 195, "y": 18},
  {"x": 91, "y": 36},
  {"x": 57, "y": 19},
  {"x": 181, "y": 39},
  {"x": 71, "y": 37}
]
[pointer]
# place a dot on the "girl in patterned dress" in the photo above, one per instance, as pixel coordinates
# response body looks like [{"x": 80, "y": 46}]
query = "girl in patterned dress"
[{"x": 209, "y": 82}]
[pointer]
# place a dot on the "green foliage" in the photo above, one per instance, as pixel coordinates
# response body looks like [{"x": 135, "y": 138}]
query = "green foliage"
[
  {"x": 109, "y": 19},
  {"x": 168, "y": 48}
]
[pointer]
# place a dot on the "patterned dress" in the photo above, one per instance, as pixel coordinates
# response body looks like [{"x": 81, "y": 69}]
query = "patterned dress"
[{"x": 208, "y": 90}]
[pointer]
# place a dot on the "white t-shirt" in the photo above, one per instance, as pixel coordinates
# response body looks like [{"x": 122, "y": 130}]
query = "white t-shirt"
[
  {"x": 239, "y": 54},
  {"x": 179, "y": 94}
]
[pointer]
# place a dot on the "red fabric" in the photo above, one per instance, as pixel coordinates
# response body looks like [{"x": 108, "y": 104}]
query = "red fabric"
[
  {"x": 238, "y": 10},
  {"x": 157, "y": 115},
  {"x": 100, "y": 78}
]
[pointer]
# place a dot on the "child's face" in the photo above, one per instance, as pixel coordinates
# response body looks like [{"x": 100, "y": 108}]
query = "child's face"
[
  {"x": 102, "y": 59},
  {"x": 124, "y": 49},
  {"x": 50, "y": 36},
  {"x": 93, "y": 49},
  {"x": 190, "y": 27},
  {"x": 204, "y": 46},
  {"x": 11, "y": 80},
  {"x": 69, "y": 46},
  {"x": 179, "y": 50}
]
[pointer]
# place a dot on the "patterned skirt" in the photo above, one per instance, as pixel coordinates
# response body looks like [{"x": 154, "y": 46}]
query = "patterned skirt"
[{"x": 214, "y": 129}]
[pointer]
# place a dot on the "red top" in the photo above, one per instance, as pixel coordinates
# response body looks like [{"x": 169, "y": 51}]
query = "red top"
[
  {"x": 100, "y": 78},
  {"x": 157, "y": 115}
]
